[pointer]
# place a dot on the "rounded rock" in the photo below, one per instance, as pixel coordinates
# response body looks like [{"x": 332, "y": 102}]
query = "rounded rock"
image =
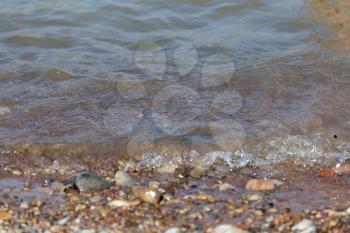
[
  {"x": 86, "y": 182},
  {"x": 173, "y": 230},
  {"x": 228, "y": 228}
]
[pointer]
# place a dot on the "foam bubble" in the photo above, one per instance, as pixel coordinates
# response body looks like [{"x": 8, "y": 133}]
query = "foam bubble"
[
  {"x": 228, "y": 134},
  {"x": 175, "y": 108},
  {"x": 151, "y": 59},
  {"x": 130, "y": 87},
  {"x": 217, "y": 70},
  {"x": 185, "y": 58},
  {"x": 141, "y": 143},
  {"x": 227, "y": 102},
  {"x": 122, "y": 118}
]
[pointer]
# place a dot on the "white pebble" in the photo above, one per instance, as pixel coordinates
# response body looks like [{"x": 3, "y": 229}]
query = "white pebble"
[
  {"x": 304, "y": 226},
  {"x": 4, "y": 111},
  {"x": 118, "y": 203},
  {"x": 173, "y": 230},
  {"x": 227, "y": 228}
]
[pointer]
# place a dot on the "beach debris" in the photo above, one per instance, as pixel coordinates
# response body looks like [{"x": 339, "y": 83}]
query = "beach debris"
[
  {"x": 89, "y": 181},
  {"x": 304, "y": 226},
  {"x": 122, "y": 178},
  {"x": 228, "y": 228},
  {"x": 260, "y": 185},
  {"x": 327, "y": 173}
]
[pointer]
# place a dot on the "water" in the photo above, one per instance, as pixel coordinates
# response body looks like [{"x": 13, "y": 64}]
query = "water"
[{"x": 196, "y": 82}]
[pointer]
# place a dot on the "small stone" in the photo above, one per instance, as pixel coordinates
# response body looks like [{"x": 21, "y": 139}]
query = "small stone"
[
  {"x": 48, "y": 181},
  {"x": 173, "y": 230},
  {"x": 226, "y": 186},
  {"x": 277, "y": 182},
  {"x": 343, "y": 168},
  {"x": 227, "y": 228},
  {"x": 348, "y": 211},
  {"x": 147, "y": 195},
  {"x": 86, "y": 182},
  {"x": 254, "y": 197},
  {"x": 57, "y": 75},
  {"x": 118, "y": 203},
  {"x": 198, "y": 172},
  {"x": 124, "y": 179},
  {"x": 96, "y": 199},
  {"x": 16, "y": 172},
  {"x": 24, "y": 205},
  {"x": 4, "y": 111},
  {"x": 181, "y": 172},
  {"x": 168, "y": 169},
  {"x": 154, "y": 185},
  {"x": 260, "y": 185},
  {"x": 304, "y": 226},
  {"x": 63, "y": 221},
  {"x": 56, "y": 187},
  {"x": 5, "y": 216}
]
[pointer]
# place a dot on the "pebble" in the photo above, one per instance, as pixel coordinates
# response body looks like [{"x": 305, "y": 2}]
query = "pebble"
[
  {"x": 342, "y": 168},
  {"x": 168, "y": 169},
  {"x": 226, "y": 186},
  {"x": 87, "y": 181},
  {"x": 4, "y": 215},
  {"x": 181, "y": 172},
  {"x": 122, "y": 178},
  {"x": 57, "y": 75},
  {"x": 24, "y": 205},
  {"x": 254, "y": 197},
  {"x": 173, "y": 230},
  {"x": 348, "y": 211},
  {"x": 4, "y": 111},
  {"x": 197, "y": 172},
  {"x": 63, "y": 221},
  {"x": 17, "y": 172},
  {"x": 154, "y": 185},
  {"x": 304, "y": 226},
  {"x": 260, "y": 185},
  {"x": 147, "y": 194},
  {"x": 227, "y": 228},
  {"x": 118, "y": 203}
]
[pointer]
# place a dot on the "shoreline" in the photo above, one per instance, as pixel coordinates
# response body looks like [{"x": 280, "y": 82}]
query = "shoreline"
[{"x": 190, "y": 204}]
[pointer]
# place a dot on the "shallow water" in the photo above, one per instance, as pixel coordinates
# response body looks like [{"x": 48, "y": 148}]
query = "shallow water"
[{"x": 244, "y": 82}]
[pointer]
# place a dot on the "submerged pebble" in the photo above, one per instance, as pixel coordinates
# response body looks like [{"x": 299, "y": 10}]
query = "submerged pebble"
[{"x": 86, "y": 182}]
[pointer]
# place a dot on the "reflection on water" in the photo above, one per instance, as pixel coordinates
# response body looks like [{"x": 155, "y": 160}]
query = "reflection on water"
[{"x": 172, "y": 82}]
